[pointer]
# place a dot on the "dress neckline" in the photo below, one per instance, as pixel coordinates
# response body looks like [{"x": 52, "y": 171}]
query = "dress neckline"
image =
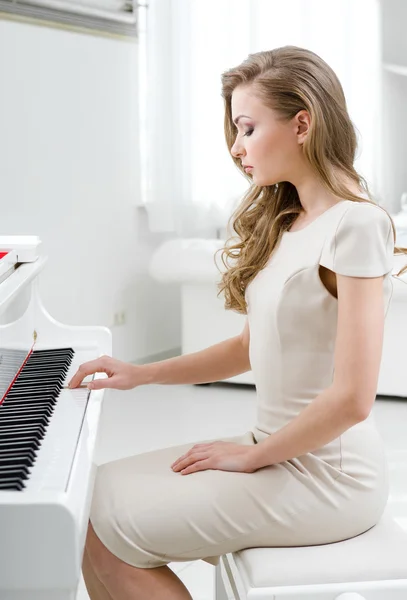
[{"x": 315, "y": 220}]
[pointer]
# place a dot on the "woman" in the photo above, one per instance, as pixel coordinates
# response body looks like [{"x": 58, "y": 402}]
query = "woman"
[{"x": 311, "y": 268}]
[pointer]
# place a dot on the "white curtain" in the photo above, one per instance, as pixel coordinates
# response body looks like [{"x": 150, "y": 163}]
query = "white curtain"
[{"x": 190, "y": 181}]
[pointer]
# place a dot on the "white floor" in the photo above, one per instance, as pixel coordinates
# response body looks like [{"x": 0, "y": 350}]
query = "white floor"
[{"x": 153, "y": 417}]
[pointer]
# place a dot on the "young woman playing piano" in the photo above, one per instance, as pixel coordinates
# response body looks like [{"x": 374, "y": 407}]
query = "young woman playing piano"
[{"x": 311, "y": 267}]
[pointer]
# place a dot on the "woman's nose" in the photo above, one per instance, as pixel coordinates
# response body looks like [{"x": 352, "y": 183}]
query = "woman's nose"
[{"x": 236, "y": 151}]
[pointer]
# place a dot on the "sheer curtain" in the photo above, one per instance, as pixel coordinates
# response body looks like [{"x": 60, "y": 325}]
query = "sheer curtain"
[{"x": 189, "y": 180}]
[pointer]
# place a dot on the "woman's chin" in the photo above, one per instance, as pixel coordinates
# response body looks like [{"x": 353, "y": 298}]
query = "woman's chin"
[
  {"x": 264, "y": 181},
  {"x": 261, "y": 181}
]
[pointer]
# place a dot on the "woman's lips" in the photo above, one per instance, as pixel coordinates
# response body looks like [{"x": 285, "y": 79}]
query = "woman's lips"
[{"x": 247, "y": 169}]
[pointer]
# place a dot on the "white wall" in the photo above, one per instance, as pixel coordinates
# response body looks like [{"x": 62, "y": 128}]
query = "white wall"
[{"x": 69, "y": 173}]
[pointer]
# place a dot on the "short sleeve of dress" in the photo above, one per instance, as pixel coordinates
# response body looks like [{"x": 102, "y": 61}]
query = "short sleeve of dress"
[{"x": 363, "y": 243}]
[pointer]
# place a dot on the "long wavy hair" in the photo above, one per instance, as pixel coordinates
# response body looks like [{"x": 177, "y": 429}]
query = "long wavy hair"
[{"x": 288, "y": 80}]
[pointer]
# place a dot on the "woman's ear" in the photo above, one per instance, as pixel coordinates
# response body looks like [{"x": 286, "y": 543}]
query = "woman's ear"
[{"x": 302, "y": 121}]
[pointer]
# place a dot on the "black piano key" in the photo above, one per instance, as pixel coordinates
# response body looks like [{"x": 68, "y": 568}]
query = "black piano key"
[
  {"x": 16, "y": 435},
  {"x": 18, "y": 454},
  {"x": 43, "y": 368},
  {"x": 12, "y": 484},
  {"x": 38, "y": 378},
  {"x": 38, "y": 381},
  {"x": 16, "y": 460},
  {"x": 47, "y": 360},
  {"x": 49, "y": 392},
  {"x": 19, "y": 445},
  {"x": 16, "y": 428},
  {"x": 47, "y": 398},
  {"x": 13, "y": 471},
  {"x": 23, "y": 404},
  {"x": 27, "y": 401},
  {"x": 49, "y": 386},
  {"x": 38, "y": 374},
  {"x": 40, "y": 363},
  {"x": 35, "y": 388},
  {"x": 26, "y": 411},
  {"x": 28, "y": 439},
  {"x": 49, "y": 367},
  {"x": 34, "y": 411},
  {"x": 24, "y": 381},
  {"x": 6, "y": 421}
]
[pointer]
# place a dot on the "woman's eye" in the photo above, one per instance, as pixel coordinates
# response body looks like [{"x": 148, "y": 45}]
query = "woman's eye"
[{"x": 249, "y": 132}]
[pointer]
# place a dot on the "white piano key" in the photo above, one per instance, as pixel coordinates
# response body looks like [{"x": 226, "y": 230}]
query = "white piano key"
[
  {"x": 53, "y": 464},
  {"x": 55, "y": 456}
]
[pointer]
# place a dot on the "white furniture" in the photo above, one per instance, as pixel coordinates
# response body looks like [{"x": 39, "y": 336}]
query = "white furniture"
[
  {"x": 205, "y": 321},
  {"x": 371, "y": 566},
  {"x": 48, "y": 436}
]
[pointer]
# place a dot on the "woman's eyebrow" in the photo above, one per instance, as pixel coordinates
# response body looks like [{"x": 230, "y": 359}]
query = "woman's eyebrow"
[{"x": 236, "y": 121}]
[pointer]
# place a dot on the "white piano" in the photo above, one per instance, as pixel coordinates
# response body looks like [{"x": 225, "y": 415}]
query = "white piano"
[{"x": 47, "y": 434}]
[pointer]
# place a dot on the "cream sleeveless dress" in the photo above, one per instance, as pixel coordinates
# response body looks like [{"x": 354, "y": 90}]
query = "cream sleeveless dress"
[{"x": 148, "y": 516}]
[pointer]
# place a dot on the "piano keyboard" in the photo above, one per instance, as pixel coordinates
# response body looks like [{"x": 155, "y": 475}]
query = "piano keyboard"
[{"x": 40, "y": 422}]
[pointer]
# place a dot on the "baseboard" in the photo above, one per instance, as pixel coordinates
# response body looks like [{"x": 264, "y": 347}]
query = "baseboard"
[{"x": 171, "y": 353}]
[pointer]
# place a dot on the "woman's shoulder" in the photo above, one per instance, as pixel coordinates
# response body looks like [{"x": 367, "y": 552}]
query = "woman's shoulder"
[
  {"x": 354, "y": 218},
  {"x": 365, "y": 208},
  {"x": 360, "y": 241}
]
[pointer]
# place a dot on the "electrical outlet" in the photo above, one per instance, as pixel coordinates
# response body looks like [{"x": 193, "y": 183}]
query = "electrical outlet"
[{"x": 119, "y": 318}]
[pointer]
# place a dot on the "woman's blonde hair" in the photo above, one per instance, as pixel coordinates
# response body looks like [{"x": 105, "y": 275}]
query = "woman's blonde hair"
[{"x": 287, "y": 79}]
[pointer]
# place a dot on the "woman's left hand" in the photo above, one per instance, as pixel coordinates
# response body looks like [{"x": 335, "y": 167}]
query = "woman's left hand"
[{"x": 222, "y": 456}]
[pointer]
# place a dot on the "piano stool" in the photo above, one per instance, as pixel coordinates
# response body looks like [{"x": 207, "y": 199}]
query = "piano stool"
[{"x": 371, "y": 566}]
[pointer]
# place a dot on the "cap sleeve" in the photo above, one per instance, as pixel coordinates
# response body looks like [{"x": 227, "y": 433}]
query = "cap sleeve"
[{"x": 363, "y": 244}]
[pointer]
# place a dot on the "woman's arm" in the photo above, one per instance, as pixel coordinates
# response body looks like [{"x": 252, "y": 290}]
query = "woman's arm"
[
  {"x": 215, "y": 363},
  {"x": 350, "y": 398}
]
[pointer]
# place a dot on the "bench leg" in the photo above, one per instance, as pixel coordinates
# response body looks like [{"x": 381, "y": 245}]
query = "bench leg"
[{"x": 220, "y": 591}]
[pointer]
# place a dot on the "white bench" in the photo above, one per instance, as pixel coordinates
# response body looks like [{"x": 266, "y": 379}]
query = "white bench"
[{"x": 371, "y": 566}]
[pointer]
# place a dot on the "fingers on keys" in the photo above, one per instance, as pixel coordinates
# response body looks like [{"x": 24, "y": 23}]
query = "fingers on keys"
[{"x": 86, "y": 369}]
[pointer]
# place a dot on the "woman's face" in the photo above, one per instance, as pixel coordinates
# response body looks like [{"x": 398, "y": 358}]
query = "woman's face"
[{"x": 271, "y": 146}]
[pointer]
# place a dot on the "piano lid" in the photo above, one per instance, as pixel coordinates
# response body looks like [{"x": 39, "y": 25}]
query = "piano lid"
[
  {"x": 8, "y": 261},
  {"x": 22, "y": 262},
  {"x": 17, "y": 336},
  {"x": 26, "y": 247}
]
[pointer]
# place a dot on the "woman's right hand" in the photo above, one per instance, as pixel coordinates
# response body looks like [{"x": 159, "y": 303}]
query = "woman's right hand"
[{"x": 120, "y": 375}]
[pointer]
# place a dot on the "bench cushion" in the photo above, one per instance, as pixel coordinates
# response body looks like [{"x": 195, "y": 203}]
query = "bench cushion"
[{"x": 378, "y": 554}]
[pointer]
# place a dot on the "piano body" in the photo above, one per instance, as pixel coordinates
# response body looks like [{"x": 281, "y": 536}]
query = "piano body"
[{"x": 47, "y": 437}]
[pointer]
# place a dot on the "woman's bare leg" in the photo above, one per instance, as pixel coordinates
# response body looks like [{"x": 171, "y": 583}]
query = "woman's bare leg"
[
  {"x": 94, "y": 586},
  {"x": 125, "y": 582}
]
